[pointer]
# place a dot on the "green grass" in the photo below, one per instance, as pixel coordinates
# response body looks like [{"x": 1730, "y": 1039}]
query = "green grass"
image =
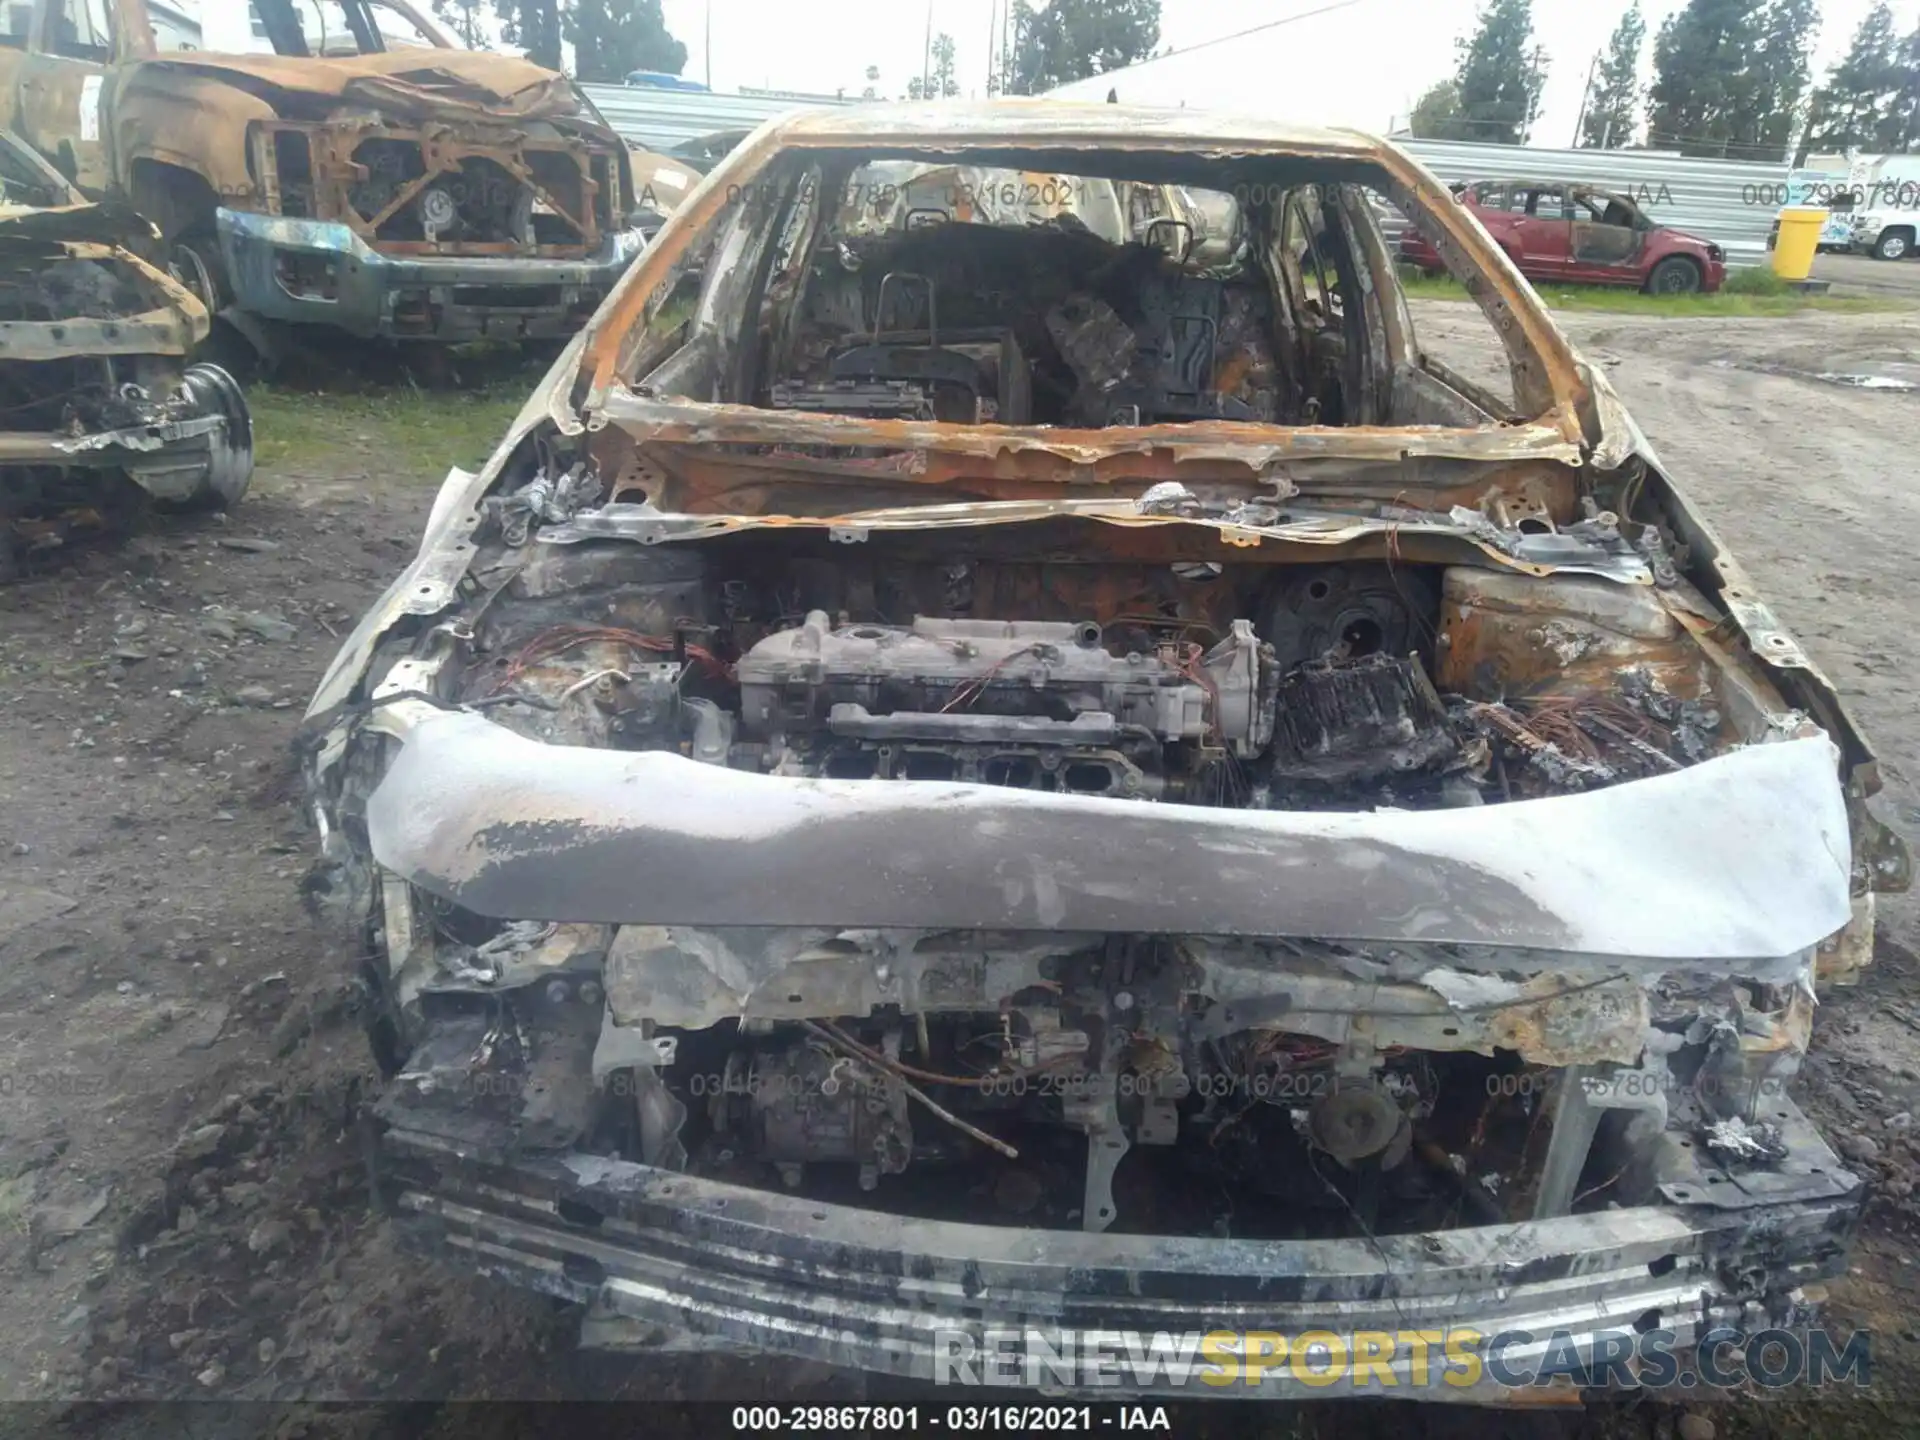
[
  {"x": 1755, "y": 280},
  {"x": 1751, "y": 291},
  {"x": 401, "y": 435}
]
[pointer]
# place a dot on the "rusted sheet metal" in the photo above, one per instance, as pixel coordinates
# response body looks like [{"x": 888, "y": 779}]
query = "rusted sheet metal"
[
  {"x": 211, "y": 116},
  {"x": 1499, "y": 638},
  {"x": 192, "y": 120},
  {"x": 329, "y": 154},
  {"x": 649, "y": 418},
  {"x": 410, "y": 81},
  {"x": 102, "y": 448},
  {"x": 1434, "y": 537},
  {"x": 132, "y": 30},
  {"x": 1846, "y": 953},
  {"x": 1546, "y": 1016},
  {"x": 734, "y": 480},
  {"x": 48, "y": 97},
  {"x": 1571, "y": 1024},
  {"x": 173, "y": 326},
  {"x": 1062, "y": 125}
]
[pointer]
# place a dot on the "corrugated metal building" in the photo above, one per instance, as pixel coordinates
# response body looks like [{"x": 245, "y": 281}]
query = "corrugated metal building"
[
  {"x": 1730, "y": 202},
  {"x": 665, "y": 119}
]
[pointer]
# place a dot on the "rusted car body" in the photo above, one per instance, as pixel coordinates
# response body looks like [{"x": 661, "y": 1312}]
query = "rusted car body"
[
  {"x": 98, "y": 397},
  {"x": 373, "y": 181},
  {"x": 966, "y": 772}
]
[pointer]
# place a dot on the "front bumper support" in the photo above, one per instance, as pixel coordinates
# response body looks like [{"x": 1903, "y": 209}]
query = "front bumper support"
[
  {"x": 747, "y": 1269},
  {"x": 351, "y": 286}
]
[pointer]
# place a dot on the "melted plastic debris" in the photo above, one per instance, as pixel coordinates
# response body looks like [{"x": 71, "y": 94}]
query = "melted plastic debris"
[{"x": 1734, "y": 1139}]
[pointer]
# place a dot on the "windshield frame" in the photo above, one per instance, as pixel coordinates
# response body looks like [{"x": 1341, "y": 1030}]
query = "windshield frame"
[
  {"x": 1558, "y": 399},
  {"x": 287, "y": 35}
]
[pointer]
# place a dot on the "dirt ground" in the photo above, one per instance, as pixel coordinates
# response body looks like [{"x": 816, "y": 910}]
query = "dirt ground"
[{"x": 183, "y": 1208}]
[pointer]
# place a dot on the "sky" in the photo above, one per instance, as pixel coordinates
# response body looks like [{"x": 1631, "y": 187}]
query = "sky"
[
  {"x": 1360, "y": 63},
  {"x": 1395, "y": 49}
]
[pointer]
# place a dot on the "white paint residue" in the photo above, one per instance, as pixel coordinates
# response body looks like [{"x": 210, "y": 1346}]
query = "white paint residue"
[
  {"x": 1743, "y": 856},
  {"x": 1465, "y": 991},
  {"x": 90, "y": 107}
]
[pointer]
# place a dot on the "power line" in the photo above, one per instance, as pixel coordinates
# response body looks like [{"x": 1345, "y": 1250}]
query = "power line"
[{"x": 1254, "y": 30}]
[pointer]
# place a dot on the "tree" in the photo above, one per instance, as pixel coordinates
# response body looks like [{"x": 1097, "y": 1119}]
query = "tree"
[
  {"x": 1071, "y": 39},
  {"x": 613, "y": 38},
  {"x": 1730, "y": 77},
  {"x": 1700, "y": 60},
  {"x": 534, "y": 26},
  {"x": 944, "y": 82},
  {"x": 1901, "y": 129},
  {"x": 872, "y": 90},
  {"x": 1614, "y": 114},
  {"x": 464, "y": 18},
  {"x": 1435, "y": 112},
  {"x": 1499, "y": 76},
  {"x": 1776, "y": 98},
  {"x": 1856, "y": 108}
]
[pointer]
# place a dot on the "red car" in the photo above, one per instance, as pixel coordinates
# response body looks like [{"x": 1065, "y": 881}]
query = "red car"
[{"x": 1582, "y": 235}]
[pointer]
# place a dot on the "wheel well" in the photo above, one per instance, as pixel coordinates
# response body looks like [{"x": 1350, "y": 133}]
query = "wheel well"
[
  {"x": 176, "y": 199},
  {"x": 1906, "y": 230},
  {"x": 1683, "y": 259}
]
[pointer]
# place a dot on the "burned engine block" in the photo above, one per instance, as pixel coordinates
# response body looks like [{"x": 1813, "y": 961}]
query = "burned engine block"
[{"x": 1034, "y": 704}]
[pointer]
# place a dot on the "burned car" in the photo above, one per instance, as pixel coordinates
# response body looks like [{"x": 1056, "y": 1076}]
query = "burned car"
[
  {"x": 967, "y": 772},
  {"x": 660, "y": 183},
  {"x": 102, "y": 411},
  {"x": 367, "y": 176}
]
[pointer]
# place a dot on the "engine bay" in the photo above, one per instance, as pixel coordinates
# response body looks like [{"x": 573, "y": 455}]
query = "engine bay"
[
  {"x": 1259, "y": 686},
  {"x": 834, "y": 1062}
]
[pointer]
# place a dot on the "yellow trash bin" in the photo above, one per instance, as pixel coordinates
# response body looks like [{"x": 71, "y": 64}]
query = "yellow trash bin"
[{"x": 1800, "y": 227}]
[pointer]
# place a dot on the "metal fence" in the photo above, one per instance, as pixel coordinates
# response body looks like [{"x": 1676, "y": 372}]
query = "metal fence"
[
  {"x": 660, "y": 120},
  {"x": 1730, "y": 202}
]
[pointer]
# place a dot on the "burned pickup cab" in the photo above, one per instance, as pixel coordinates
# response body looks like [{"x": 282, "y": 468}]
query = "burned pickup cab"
[
  {"x": 100, "y": 405},
  {"x": 366, "y": 175},
  {"x": 972, "y": 762}
]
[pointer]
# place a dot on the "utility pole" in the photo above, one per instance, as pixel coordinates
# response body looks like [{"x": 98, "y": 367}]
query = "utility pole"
[
  {"x": 1009, "y": 42},
  {"x": 707, "y": 46},
  {"x": 993, "y": 28},
  {"x": 1587, "y": 90},
  {"x": 926, "y": 54}
]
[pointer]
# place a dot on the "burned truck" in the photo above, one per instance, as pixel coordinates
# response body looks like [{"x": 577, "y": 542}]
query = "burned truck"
[
  {"x": 103, "y": 412},
  {"x": 974, "y": 761},
  {"x": 367, "y": 175}
]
